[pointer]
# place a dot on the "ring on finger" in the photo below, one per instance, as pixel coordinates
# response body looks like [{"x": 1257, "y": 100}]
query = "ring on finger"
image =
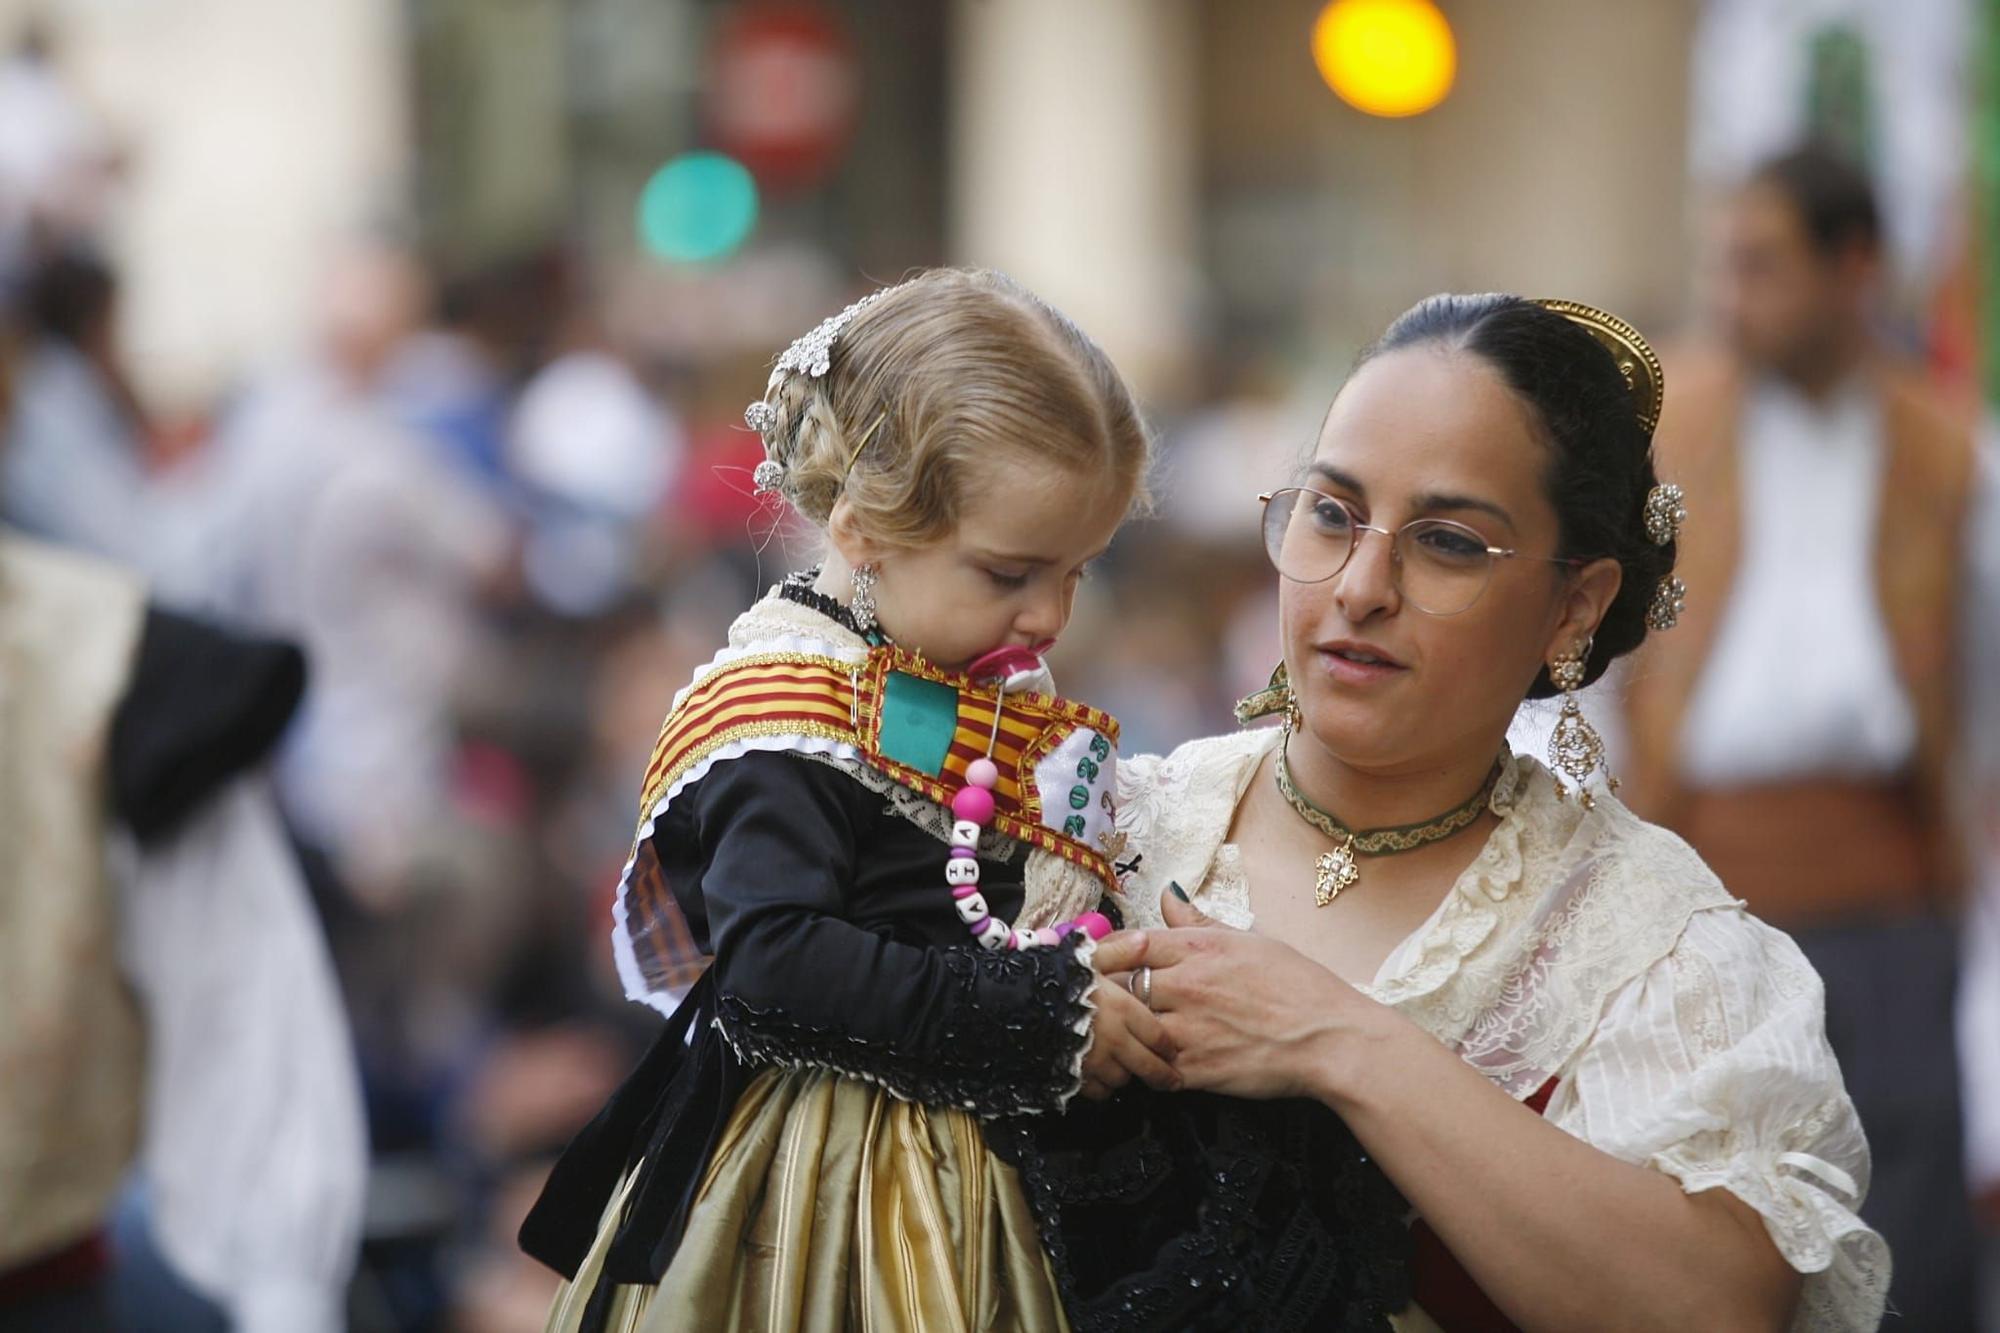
[{"x": 1141, "y": 985}]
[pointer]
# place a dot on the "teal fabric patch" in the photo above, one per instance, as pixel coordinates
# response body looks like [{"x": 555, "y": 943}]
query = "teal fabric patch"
[{"x": 919, "y": 718}]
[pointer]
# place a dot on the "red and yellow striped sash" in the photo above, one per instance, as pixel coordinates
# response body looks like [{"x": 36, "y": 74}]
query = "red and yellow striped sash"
[{"x": 824, "y": 698}]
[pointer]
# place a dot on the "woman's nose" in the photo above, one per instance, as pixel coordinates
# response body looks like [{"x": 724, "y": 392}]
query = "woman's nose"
[{"x": 1367, "y": 586}]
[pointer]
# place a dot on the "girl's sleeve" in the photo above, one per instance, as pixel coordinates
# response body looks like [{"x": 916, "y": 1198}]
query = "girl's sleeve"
[{"x": 799, "y": 983}]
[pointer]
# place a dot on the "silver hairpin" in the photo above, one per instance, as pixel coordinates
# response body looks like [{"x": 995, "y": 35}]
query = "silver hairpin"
[
  {"x": 1668, "y": 604},
  {"x": 1666, "y": 511},
  {"x": 811, "y": 355}
]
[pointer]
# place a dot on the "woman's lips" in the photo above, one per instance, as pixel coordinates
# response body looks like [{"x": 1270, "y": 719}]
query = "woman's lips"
[{"x": 1358, "y": 664}]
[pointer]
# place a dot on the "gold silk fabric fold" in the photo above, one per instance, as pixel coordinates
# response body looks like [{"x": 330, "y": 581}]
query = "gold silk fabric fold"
[{"x": 831, "y": 1205}]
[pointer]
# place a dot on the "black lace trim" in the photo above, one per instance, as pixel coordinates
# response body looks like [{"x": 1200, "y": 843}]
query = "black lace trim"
[
  {"x": 799, "y": 588},
  {"x": 1230, "y": 1215},
  {"x": 1011, "y": 1043}
]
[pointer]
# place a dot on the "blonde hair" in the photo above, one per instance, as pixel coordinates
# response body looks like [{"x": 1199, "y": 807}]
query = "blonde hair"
[{"x": 949, "y": 367}]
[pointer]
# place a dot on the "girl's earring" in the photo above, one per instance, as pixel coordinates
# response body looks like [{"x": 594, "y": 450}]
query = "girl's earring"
[
  {"x": 1575, "y": 749},
  {"x": 861, "y": 604}
]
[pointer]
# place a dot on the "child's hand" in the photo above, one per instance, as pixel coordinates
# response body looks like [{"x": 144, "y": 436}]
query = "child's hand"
[{"x": 1127, "y": 1041}]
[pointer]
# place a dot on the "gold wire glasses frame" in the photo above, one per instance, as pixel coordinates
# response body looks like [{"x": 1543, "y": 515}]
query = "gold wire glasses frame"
[{"x": 1441, "y": 567}]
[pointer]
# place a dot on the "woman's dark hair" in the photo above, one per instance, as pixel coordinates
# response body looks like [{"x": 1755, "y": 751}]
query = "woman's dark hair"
[{"x": 1600, "y": 465}]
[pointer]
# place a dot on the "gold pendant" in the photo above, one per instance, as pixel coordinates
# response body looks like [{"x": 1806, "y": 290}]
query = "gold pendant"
[{"x": 1336, "y": 870}]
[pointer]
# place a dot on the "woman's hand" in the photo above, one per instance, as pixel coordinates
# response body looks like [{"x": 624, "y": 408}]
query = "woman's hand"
[
  {"x": 1127, "y": 1042},
  {"x": 1250, "y": 1016}
]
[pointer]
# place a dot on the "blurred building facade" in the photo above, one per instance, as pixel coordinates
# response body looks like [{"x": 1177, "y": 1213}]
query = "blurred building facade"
[{"x": 1174, "y": 173}]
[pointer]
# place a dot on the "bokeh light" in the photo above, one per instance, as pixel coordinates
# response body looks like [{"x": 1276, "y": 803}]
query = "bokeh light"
[
  {"x": 698, "y": 207},
  {"x": 1386, "y": 57}
]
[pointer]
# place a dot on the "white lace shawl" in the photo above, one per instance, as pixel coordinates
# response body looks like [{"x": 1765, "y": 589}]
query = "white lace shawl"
[{"x": 1599, "y": 950}]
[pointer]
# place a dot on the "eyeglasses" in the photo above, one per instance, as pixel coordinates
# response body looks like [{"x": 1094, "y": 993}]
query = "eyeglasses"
[{"x": 1440, "y": 567}]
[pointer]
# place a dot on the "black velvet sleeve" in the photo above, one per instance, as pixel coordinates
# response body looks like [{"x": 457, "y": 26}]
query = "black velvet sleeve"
[
  {"x": 203, "y": 705},
  {"x": 800, "y": 980}
]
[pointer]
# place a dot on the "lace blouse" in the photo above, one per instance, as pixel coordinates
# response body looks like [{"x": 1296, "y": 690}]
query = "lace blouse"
[{"x": 1596, "y": 950}]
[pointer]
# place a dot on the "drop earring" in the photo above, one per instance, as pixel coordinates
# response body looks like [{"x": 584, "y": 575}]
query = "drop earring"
[
  {"x": 1576, "y": 750},
  {"x": 1276, "y": 697},
  {"x": 861, "y": 602}
]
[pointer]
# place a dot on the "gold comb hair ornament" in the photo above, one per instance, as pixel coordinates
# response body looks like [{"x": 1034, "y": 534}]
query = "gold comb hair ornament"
[
  {"x": 1666, "y": 507},
  {"x": 1634, "y": 355}
]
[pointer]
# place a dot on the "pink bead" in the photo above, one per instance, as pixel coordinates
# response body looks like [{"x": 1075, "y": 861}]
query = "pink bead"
[
  {"x": 1063, "y": 928},
  {"x": 1094, "y": 924},
  {"x": 973, "y": 803},
  {"x": 971, "y": 853},
  {"x": 981, "y": 924},
  {"x": 983, "y": 773},
  {"x": 965, "y": 891},
  {"x": 1047, "y": 938}
]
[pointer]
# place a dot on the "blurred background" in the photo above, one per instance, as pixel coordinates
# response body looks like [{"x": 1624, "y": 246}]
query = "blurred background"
[{"x": 419, "y": 331}]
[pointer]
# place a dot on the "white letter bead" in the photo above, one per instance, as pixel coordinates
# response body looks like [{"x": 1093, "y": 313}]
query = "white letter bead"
[
  {"x": 965, "y": 833},
  {"x": 971, "y": 907},
  {"x": 961, "y": 870},
  {"x": 1025, "y": 939},
  {"x": 995, "y": 935}
]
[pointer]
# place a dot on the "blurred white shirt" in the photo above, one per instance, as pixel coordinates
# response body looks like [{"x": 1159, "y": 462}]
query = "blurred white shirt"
[
  {"x": 1802, "y": 681},
  {"x": 255, "y": 1145}
]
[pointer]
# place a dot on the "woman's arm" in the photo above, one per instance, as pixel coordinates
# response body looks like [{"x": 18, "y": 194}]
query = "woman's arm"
[{"x": 1557, "y": 1233}]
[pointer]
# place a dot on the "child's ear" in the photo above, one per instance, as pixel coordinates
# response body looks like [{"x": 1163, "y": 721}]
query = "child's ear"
[{"x": 844, "y": 532}]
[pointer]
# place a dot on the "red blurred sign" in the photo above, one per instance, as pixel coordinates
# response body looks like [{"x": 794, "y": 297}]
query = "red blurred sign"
[{"x": 784, "y": 91}]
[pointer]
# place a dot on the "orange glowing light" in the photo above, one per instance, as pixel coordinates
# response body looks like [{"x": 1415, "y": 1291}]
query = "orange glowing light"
[{"x": 1386, "y": 57}]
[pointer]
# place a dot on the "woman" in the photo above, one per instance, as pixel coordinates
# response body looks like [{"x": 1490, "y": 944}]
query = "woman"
[{"x": 1602, "y": 1087}]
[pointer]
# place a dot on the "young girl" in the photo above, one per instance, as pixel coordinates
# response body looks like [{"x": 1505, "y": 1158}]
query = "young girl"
[{"x": 872, "y": 840}]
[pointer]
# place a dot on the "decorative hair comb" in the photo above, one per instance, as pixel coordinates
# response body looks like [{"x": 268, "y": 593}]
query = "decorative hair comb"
[
  {"x": 1634, "y": 355},
  {"x": 812, "y": 355},
  {"x": 1666, "y": 507}
]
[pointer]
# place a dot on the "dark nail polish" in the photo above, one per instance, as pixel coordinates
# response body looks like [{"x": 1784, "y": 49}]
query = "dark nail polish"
[{"x": 1175, "y": 886}]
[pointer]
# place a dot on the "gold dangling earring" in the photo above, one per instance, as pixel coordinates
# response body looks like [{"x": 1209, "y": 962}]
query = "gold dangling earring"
[
  {"x": 1276, "y": 697},
  {"x": 1575, "y": 749}
]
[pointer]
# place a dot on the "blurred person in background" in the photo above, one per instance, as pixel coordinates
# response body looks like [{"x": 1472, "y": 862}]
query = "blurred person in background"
[
  {"x": 171, "y": 1016},
  {"x": 58, "y": 165},
  {"x": 1979, "y": 986},
  {"x": 1803, "y": 728},
  {"x": 596, "y": 455},
  {"x": 72, "y": 464},
  {"x": 319, "y": 512},
  {"x": 181, "y": 1143}
]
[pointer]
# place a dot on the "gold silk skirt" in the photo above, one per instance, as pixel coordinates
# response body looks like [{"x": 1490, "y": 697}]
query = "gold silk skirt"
[{"x": 831, "y": 1205}]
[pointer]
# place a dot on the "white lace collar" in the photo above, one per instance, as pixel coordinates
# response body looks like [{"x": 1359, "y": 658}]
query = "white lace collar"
[{"x": 1560, "y": 907}]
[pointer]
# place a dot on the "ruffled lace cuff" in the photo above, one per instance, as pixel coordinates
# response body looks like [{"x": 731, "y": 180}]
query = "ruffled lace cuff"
[
  {"x": 1014, "y": 1031},
  {"x": 1807, "y": 1204}
]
